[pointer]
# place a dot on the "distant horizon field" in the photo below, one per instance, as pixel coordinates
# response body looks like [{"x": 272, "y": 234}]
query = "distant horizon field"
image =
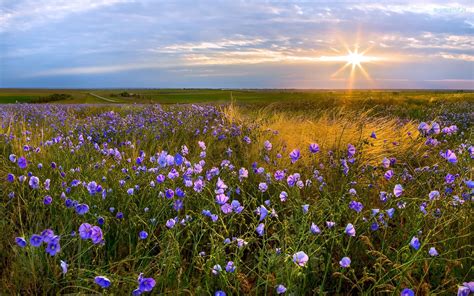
[{"x": 220, "y": 95}]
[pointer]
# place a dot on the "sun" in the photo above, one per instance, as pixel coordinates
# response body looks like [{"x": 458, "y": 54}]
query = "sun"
[{"x": 353, "y": 60}]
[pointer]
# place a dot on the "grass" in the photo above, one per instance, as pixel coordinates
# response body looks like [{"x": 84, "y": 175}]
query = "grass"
[{"x": 78, "y": 139}]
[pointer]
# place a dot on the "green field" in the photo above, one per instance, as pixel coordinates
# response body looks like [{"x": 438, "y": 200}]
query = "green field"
[{"x": 326, "y": 192}]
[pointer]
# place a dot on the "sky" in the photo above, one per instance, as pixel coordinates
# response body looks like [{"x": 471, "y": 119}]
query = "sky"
[{"x": 236, "y": 44}]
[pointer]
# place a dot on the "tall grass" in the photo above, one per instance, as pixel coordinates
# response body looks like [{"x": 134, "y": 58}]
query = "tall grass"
[{"x": 382, "y": 260}]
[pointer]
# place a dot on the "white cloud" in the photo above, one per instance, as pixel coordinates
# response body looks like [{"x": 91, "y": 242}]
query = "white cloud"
[{"x": 30, "y": 13}]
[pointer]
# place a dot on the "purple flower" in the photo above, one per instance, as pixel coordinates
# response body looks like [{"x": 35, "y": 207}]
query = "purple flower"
[
  {"x": 53, "y": 246},
  {"x": 351, "y": 150},
  {"x": 47, "y": 200},
  {"x": 280, "y": 289},
  {"x": 390, "y": 212},
  {"x": 216, "y": 269},
  {"x": 230, "y": 267},
  {"x": 283, "y": 196},
  {"x": 170, "y": 223},
  {"x": 226, "y": 208},
  {"x": 64, "y": 266},
  {"x": 449, "y": 156},
  {"x": 450, "y": 178},
  {"x": 145, "y": 284},
  {"x": 260, "y": 229},
  {"x": 92, "y": 187},
  {"x": 305, "y": 208},
  {"x": 300, "y": 258},
  {"x": 262, "y": 187},
  {"x": 350, "y": 230},
  {"x": 81, "y": 209},
  {"x": 36, "y": 240},
  {"x": 434, "y": 195},
  {"x": 34, "y": 182},
  {"x": 415, "y": 243},
  {"x": 268, "y": 146},
  {"x": 10, "y": 178},
  {"x": 398, "y": 190},
  {"x": 143, "y": 234},
  {"x": 315, "y": 229},
  {"x": 22, "y": 162},
  {"x": 219, "y": 293},
  {"x": 130, "y": 191},
  {"x": 356, "y": 206},
  {"x": 313, "y": 148},
  {"x": 47, "y": 235},
  {"x": 295, "y": 155},
  {"x": 85, "y": 231},
  {"x": 433, "y": 252},
  {"x": 262, "y": 211},
  {"x": 20, "y": 241},
  {"x": 407, "y": 292},
  {"x": 243, "y": 173},
  {"x": 96, "y": 235},
  {"x": 12, "y": 158},
  {"x": 102, "y": 281},
  {"x": 345, "y": 262},
  {"x": 388, "y": 174},
  {"x": 466, "y": 289}
]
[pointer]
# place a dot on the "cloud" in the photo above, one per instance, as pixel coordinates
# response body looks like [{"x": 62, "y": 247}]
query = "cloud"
[
  {"x": 30, "y": 13},
  {"x": 104, "y": 39}
]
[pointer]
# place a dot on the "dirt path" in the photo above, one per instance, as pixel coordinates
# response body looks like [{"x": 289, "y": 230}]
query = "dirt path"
[{"x": 102, "y": 98}]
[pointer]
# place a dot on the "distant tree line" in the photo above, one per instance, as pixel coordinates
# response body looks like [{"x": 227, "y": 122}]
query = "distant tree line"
[
  {"x": 52, "y": 98},
  {"x": 126, "y": 94}
]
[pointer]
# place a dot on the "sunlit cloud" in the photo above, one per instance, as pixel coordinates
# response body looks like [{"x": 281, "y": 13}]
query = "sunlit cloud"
[{"x": 239, "y": 43}]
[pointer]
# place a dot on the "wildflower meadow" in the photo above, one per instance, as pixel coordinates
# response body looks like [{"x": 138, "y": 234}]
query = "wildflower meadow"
[{"x": 236, "y": 199}]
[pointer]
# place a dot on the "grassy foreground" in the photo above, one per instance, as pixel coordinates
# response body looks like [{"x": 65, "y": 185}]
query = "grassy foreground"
[{"x": 327, "y": 196}]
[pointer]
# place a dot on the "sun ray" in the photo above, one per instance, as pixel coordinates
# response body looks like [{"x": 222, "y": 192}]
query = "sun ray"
[{"x": 353, "y": 59}]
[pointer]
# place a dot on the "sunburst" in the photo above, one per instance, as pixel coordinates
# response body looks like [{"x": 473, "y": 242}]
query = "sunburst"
[{"x": 353, "y": 60}]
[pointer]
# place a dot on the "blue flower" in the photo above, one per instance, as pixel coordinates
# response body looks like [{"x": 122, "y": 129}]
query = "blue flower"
[
  {"x": 96, "y": 235},
  {"x": 407, "y": 292},
  {"x": 300, "y": 258},
  {"x": 350, "y": 230},
  {"x": 356, "y": 206},
  {"x": 81, "y": 209},
  {"x": 36, "y": 240},
  {"x": 143, "y": 234},
  {"x": 53, "y": 246},
  {"x": 433, "y": 252},
  {"x": 21, "y": 242},
  {"x": 260, "y": 229},
  {"x": 345, "y": 262},
  {"x": 85, "y": 231},
  {"x": 102, "y": 281},
  {"x": 280, "y": 289},
  {"x": 22, "y": 162},
  {"x": 178, "y": 159},
  {"x": 398, "y": 190},
  {"x": 34, "y": 182},
  {"x": 170, "y": 223},
  {"x": 64, "y": 266},
  {"x": 230, "y": 267},
  {"x": 295, "y": 155},
  {"x": 262, "y": 211},
  {"x": 313, "y": 148},
  {"x": 145, "y": 284},
  {"x": 315, "y": 229},
  {"x": 216, "y": 269},
  {"x": 415, "y": 243}
]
